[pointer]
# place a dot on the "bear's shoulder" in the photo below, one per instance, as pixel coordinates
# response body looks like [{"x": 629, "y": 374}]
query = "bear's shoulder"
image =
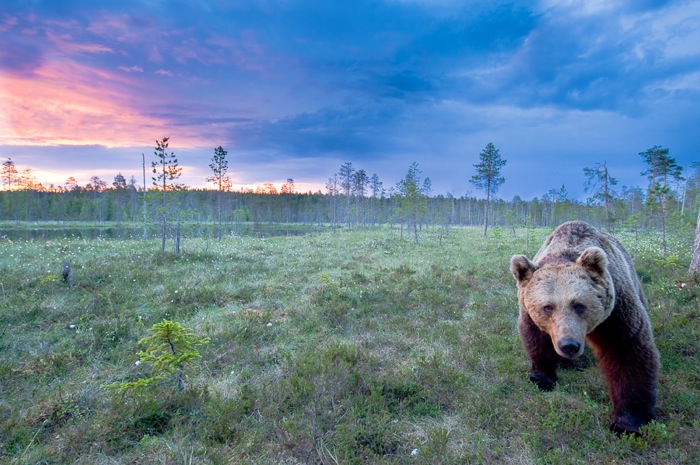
[{"x": 568, "y": 241}]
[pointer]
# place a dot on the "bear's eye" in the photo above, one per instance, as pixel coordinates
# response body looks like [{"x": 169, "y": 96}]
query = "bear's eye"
[
  {"x": 548, "y": 309},
  {"x": 579, "y": 308}
]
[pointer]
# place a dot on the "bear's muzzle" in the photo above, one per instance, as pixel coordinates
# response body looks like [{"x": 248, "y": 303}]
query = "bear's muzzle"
[{"x": 569, "y": 348}]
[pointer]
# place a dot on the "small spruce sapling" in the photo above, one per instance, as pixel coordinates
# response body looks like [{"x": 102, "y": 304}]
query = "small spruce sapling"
[{"x": 169, "y": 351}]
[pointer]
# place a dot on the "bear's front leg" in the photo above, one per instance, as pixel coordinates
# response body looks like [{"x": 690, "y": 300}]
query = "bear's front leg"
[
  {"x": 543, "y": 358},
  {"x": 631, "y": 370},
  {"x": 633, "y": 394}
]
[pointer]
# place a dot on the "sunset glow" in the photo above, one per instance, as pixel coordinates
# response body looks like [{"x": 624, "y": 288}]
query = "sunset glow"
[
  {"x": 71, "y": 104},
  {"x": 293, "y": 90}
]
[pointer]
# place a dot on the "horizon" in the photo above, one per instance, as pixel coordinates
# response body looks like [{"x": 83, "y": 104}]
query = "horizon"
[
  {"x": 293, "y": 90},
  {"x": 46, "y": 179}
]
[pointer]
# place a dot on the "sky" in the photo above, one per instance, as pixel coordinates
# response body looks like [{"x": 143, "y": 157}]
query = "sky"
[{"x": 295, "y": 88}]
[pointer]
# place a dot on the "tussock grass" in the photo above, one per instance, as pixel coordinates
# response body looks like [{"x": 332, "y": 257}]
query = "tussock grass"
[{"x": 355, "y": 347}]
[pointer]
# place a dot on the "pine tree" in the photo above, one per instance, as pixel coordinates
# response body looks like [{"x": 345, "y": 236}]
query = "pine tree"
[
  {"x": 9, "y": 174},
  {"x": 333, "y": 190},
  {"x": 661, "y": 169},
  {"x": 413, "y": 194},
  {"x": 377, "y": 188},
  {"x": 488, "y": 177},
  {"x": 119, "y": 187},
  {"x": 360, "y": 181},
  {"x": 166, "y": 172},
  {"x": 9, "y": 179},
  {"x": 599, "y": 181},
  {"x": 345, "y": 178},
  {"x": 219, "y": 168}
]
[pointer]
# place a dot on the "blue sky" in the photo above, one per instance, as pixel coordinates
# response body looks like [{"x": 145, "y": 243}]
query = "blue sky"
[{"x": 296, "y": 88}]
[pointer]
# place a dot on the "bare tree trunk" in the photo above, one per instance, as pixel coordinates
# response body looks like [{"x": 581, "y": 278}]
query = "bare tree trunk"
[
  {"x": 694, "y": 269},
  {"x": 219, "y": 207},
  {"x": 415, "y": 228},
  {"x": 177, "y": 236},
  {"x": 663, "y": 224},
  {"x": 486, "y": 216},
  {"x": 145, "y": 205},
  {"x": 469, "y": 211},
  {"x": 162, "y": 248}
]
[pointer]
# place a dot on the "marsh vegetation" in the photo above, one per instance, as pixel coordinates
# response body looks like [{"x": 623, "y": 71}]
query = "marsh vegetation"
[{"x": 350, "y": 347}]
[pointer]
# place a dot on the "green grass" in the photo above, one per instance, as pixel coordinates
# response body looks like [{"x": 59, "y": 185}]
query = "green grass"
[{"x": 359, "y": 347}]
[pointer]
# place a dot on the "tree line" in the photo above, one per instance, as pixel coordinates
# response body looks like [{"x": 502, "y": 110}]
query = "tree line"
[{"x": 355, "y": 199}]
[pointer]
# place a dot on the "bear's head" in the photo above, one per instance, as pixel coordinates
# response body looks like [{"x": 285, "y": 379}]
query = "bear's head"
[{"x": 566, "y": 300}]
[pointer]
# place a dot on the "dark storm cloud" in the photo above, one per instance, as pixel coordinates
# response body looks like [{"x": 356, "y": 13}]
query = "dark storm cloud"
[
  {"x": 387, "y": 82},
  {"x": 343, "y": 131},
  {"x": 590, "y": 62}
]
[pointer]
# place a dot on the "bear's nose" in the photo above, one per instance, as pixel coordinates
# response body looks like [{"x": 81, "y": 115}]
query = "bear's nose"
[{"x": 569, "y": 347}]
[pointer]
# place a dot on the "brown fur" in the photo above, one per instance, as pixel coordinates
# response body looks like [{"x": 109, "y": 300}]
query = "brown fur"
[{"x": 582, "y": 287}]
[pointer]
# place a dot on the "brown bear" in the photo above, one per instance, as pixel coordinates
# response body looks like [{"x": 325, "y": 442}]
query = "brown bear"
[{"x": 581, "y": 286}]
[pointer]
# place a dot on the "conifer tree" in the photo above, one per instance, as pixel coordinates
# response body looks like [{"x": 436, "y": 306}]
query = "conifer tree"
[
  {"x": 119, "y": 187},
  {"x": 661, "y": 170},
  {"x": 9, "y": 174},
  {"x": 9, "y": 178},
  {"x": 220, "y": 178},
  {"x": 488, "y": 177},
  {"x": 333, "y": 190},
  {"x": 413, "y": 194},
  {"x": 166, "y": 172},
  {"x": 599, "y": 181},
  {"x": 345, "y": 176}
]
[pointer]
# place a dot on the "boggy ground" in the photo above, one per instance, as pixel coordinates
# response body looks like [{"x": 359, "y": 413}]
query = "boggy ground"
[{"x": 350, "y": 348}]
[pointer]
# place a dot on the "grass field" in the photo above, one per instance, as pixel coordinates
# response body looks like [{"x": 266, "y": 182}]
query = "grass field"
[{"x": 348, "y": 348}]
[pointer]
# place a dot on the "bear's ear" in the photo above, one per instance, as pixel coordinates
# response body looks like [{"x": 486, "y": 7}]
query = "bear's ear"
[
  {"x": 522, "y": 269},
  {"x": 594, "y": 260}
]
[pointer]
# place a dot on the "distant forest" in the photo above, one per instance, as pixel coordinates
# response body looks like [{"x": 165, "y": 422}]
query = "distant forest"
[{"x": 353, "y": 199}]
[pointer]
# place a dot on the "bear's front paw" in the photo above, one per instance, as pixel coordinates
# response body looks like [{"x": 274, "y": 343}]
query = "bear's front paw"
[
  {"x": 620, "y": 429},
  {"x": 628, "y": 424},
  {"x": 543, "y": 381}
]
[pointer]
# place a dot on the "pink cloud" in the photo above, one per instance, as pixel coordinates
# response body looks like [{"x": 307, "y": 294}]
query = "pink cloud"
[
  {"x": 245, "y": 53},
  {"x": 66, "y": 103},
  {"x": 119, "y": 28},
  {"x": 131, "y": 69},
  {"x": 155, "y": 55},
  {"x": 8, "y": 22},
  {"x": 65, "y": 43},
  {"x": 190, "y": 49},
  {"x": 53, "y": 95}
]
